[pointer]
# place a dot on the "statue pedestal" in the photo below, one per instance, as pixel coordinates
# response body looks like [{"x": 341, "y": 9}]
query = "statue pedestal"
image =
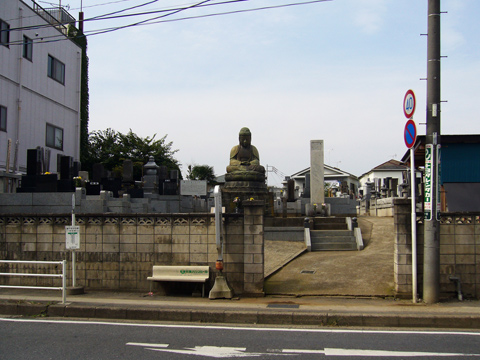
[{"x": 244, "y": 190}]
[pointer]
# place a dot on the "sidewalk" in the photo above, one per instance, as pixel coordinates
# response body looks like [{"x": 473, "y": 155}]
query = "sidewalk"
[
  {"x": 269, "y": 310},
  {"x": 346, "y": 289}
]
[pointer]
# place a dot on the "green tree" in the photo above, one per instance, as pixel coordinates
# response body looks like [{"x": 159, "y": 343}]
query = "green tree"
[
  {"x": 201, "y": 172},
  {"x": 111, "y": 148},
  {"x": 78, "y": 37}
]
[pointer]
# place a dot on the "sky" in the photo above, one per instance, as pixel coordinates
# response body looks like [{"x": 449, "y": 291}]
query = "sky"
[{"x": 333, "y": 70}]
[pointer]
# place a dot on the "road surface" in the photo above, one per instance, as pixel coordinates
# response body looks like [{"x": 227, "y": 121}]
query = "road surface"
[{"x": 63, "y": 339}]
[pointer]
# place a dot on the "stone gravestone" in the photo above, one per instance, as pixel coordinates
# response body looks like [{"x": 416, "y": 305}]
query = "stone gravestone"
[
  {"x": 291, "y": 190},
  {"x": 84, "y": 175},
  {"x": 66, "y": 182},
  {"x": 317, "y": 189},
  {"x": 306, "y": 190},
  {"x": 93, "y": 187},
  {"x": 127, "y": 174},
  {"x": 162, "y": 177},
  {"x": 128, "y": 182},
  {"x": 170, "y": 186},
  {"x": 34, "y": 162},
  {"x": 66, "y": 168},
  {"x": 98, "y": 173},
  {"x": 150, "y": 179},
  {"x": 34, "y": 181},
  {"x": 77, "y": 167}
]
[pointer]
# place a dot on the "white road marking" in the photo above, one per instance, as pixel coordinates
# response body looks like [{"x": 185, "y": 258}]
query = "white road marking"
[
  {"x": 149, "y": 345},
  {"x": 356, "y": 352},
  {"x": 234, "y": 352},
  {"x": 269, "y": 329},
  {"x": 218, "y": 352}
]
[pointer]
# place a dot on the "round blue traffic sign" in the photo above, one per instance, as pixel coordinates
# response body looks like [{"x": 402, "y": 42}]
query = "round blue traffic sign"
[{"x": 410, "y": 133}]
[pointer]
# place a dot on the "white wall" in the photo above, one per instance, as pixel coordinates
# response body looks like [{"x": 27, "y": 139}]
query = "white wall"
[
  {"x": 372, "y": 175},
  {"x": 42, "y": 100}
]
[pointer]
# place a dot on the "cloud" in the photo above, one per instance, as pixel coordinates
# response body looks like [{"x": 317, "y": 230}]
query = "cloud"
[{"x": 369, "y": 15}]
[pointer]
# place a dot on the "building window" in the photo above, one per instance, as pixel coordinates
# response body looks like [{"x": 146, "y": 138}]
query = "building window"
[
  {"x": 3, "y": 118},
  {"x": 4, "y": 33},
  {"x": 54, "y": 137},
  {"x": 56, "y": 69},
  {"x": 27, "y": 48}
]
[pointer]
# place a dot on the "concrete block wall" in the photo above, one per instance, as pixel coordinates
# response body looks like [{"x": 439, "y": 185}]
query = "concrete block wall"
[
  {"x": 382, "y": 207},
  {"x": 61, "y": 203},
  {"x": 118, "y": 251},
  {"x": 459, "y": 252},
  {"x": 253, "y": 261}
]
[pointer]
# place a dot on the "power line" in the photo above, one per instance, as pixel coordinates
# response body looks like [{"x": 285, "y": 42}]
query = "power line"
[
  {"x": 102, "y": 31},
  {"x": 102, "y": 4},
  {"x": 239, "y": 11},
  {"x": 151, "y": 21},
  {"x": 107, "y": 17},
  {"x": 119, "y": 11},
  {"x": 157, "y": 17}
]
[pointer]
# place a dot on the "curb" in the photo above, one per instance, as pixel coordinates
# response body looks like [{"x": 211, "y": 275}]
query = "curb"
[{"x": 245, "y": 317}]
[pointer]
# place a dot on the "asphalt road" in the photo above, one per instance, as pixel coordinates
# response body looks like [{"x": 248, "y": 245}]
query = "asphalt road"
[{"x": 59, "y": 339}]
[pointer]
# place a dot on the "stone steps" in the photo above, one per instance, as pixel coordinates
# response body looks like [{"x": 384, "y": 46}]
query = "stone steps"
[{"x": 333, "y": 240}]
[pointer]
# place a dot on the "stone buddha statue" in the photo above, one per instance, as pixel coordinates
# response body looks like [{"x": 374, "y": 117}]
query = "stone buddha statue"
[{"x": 245, "y": 160}]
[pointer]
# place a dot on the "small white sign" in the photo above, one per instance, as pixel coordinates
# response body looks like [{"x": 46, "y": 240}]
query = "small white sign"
[
  {"x": 193, "y": 187},
  {"x": 72, "y": 237}
]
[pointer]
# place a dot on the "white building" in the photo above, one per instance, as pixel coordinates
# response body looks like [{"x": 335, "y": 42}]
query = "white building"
[
  {"x": 345, "y": 182},
  {"x": 386, "y": 175},
  {"x": 39, "y": 87}
]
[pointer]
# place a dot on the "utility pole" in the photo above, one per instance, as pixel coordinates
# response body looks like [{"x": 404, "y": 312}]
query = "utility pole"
[{"x": 431, "y": 272}]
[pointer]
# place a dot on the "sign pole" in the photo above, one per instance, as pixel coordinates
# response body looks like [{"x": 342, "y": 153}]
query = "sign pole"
[
  {"x": 72, "y": 242},
  {"x": 74, "y": 267},
  {"x": 410, "y": 137},
  {"x": 414, "y": 226}
]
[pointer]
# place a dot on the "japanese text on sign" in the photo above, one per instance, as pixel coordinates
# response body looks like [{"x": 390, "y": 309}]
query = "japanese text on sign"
[{"x": 428, "y": 181}]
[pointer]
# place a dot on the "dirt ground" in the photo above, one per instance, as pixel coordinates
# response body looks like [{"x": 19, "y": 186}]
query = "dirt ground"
[{"x": 348, "y": 273}]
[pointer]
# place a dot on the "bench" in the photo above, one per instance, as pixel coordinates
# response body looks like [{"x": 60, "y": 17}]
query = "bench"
[{"x": 185, "y": 273}]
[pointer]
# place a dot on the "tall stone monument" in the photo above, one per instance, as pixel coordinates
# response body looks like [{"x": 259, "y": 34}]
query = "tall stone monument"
[
  {"x": 317, "y": 172},
  {"x": 245, "y": 177}
]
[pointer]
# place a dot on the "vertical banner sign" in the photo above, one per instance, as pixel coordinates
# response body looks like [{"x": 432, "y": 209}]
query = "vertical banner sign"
[
  {"x": 428, "y": 181},
  {"x": 438, "y": 177}
]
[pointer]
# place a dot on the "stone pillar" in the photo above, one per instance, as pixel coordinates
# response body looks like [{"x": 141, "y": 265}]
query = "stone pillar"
[
  {"x": 403, "y": 250},
  {"x": 317, "y": 192},
  {"x": 253, "y": 241}
]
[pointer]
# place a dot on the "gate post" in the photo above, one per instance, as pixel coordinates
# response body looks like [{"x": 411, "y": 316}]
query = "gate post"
[{"x": 254, "y": 247}]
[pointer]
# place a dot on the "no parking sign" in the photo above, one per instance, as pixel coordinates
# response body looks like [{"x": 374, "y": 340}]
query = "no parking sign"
[{"x": 410, "y": 133}]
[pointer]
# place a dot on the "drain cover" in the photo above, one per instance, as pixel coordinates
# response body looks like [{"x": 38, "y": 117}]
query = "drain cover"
[
  {"x": 285, "y": 306},
  {"x": 307, "y": 272}
]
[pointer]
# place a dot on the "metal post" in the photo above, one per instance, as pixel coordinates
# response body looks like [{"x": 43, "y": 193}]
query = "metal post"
[
  {"x": 64, "y": 281},
  {"x": 74, "y": 257},
  {"x": 218, "y": 221},
  {"x": 414, "y": 225},
  {"x": 431, "y": 272}
]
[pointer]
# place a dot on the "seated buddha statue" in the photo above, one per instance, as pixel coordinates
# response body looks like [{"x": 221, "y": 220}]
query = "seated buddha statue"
[{"x": 245, "y": 160}]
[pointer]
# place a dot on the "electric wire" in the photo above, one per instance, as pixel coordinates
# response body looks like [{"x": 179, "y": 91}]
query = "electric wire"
[
  {"x": 152, "y": 21},
  {"x": 102, "y": 31},
  {"x": 119, "y": 11},
  {"x": 147, "y": 20},
  {"x": 101, "y": 4},
  {"x": 101, "y": 17},
  {"x": 106, "y": 16}
]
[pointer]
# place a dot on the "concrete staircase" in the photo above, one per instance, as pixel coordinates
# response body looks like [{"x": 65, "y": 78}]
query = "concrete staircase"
[{"x": 332, "y": 234}]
